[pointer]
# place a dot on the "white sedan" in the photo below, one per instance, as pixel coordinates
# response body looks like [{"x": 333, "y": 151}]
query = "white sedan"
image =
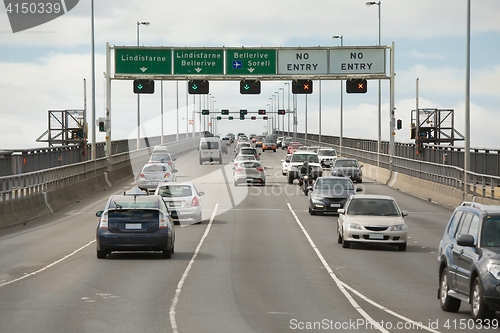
[
  {"x": 374, "y": 219},
  {"x": 183, "y": 198},
  {"x": 285, "y": 163}
]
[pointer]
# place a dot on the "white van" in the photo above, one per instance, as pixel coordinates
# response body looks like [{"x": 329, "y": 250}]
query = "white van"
[{"x": 210, "y": 150}]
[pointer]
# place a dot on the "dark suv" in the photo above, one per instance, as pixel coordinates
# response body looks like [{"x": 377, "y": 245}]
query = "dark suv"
[{"x": 469, "y": 260}]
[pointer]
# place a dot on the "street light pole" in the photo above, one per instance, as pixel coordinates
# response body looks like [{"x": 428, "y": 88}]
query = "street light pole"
[
  {"x": 139, "y": 95},
  {"x": 379, "y": 142},
  {"x": 288, "y": 110},
  {"x": 341, "y": 101}
]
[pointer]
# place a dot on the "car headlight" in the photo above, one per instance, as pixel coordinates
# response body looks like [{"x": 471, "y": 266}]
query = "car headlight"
[
  {"x": 355, "y": 226},
  {"x": 494, "y": 270},
  {"x": 397, "y": 227}
]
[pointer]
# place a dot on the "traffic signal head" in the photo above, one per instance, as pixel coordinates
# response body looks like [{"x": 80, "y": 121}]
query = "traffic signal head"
[
  {"x": 261, "y": 112},
  {"x": 253, "y": 117},
  {"x": 205, "y": 112},
  {"x": 242, "y": 117},
  {"x": 219, "y": 118},
  {"x": 243, "y": 112},
  {"x": 102, "y": 128},
  {"x": 399, "y": 124},
  {"x": 224, "y": 112},
  {"x": 357, "y": 86},
  {"x": 144, "y": 86},
  {"x": 265, "y": 117},
  {"x": 198, "y": 86},
  {"x": 249, "y": 87},
  {"x": 230, "y": 117},
  {"x": 302, "y": 87},
  {"x": 281, "y": 112}
]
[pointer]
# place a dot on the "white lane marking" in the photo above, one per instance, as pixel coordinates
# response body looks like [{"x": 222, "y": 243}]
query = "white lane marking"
[
  {"x": 48, "y": 266},
  {"x": 343, "y": 286},
  {"x": 173, "y": 322}
]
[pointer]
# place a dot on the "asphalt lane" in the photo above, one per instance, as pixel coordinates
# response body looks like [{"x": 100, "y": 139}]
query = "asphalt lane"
[{"x": 257, "y": 263}]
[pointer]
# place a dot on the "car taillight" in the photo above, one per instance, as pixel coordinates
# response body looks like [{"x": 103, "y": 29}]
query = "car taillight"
[
  {"x": 104, "y": 221},
  {"x": 195, "y": 201},
  {"x": 162, "y": 221},
  {"x": 141, "y": 175},
  {"x": 169, "y": 162},
  {"x": 167, "y": 175},
  {"x": 260, "y": 169}
]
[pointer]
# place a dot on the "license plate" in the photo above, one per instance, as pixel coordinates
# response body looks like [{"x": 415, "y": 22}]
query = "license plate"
[
  {"x": 249, "y": 179},
  {"x": 334, "y": 205},
  {"x": 376, "y": 236},
  {"x": 174, "y": 204},
  {"x": 133, "y": 226}
]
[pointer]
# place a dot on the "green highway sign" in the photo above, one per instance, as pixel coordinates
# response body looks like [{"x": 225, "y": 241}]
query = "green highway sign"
[
  {"x": 129, "y": 60},
  {"x": 199, "y": 61},
  {"x": 245, "y": 61}
]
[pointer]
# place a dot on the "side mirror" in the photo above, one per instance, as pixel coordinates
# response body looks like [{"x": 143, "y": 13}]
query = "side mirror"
[
  {"x": 465, "y": 240},
  {"x": 361, "y": 166},
  {"x": 201, "y": 193},
  {"x": 175, "y": 170},
  {"x": 341, "y": 210},
  {"x": 174, "y": 215},
  {"x": 99, "y": 213},
  {"x": 404, "y": 213}
]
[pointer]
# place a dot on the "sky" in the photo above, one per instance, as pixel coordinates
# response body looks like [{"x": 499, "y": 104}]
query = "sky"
[{"x": 49, "y": 67}]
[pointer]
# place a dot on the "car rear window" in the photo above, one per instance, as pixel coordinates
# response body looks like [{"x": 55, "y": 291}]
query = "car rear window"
[
  {"x": 250, "y": 164},
  {"x": 133, "y": 215},
  {"x": 347, "y": 163},
  {"x": 175, "y": 191},
  {"x": 210, "y": 145},
  {"x": 154, "y": 168}
]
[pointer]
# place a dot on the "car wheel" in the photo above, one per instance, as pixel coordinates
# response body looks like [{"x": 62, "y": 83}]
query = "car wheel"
[
  {"x": 101, "y": 254},
  {"x": 290, "y": 179},
  {"x": 220, "y": 161},
  {"x": 201, "y": 162},
  {"x": 479, "y": 310},
  {"x": 402, "y": 247},
  {"x": 167, "y": 254},
  {"x": 177, "y": 222},
  {"x": 312, "y": 212},
  {"x": 448, "y": 303},
  {"x": 274, "y": 150},
  {"x": 339, "y": 236},
  {"x": 235, "y": 184}
]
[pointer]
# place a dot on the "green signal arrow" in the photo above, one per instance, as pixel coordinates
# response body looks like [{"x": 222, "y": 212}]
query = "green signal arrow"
[
  {"x": 140, "y": 86},
  {"x": 194, "y": 86},
  {"x": 246, "y": 87}
]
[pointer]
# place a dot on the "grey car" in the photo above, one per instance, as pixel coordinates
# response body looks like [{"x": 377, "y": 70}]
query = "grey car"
[
  {"x": 328, "y": 194},
  {"x": 154, "y": 173},
  {"x": 348, "y": 167}
]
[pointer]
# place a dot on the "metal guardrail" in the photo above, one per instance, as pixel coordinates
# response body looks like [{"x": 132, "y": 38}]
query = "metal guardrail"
[{"x": 22, "y": 185}]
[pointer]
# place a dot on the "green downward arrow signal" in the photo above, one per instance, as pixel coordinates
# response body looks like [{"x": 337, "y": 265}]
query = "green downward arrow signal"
[
  {"x": 246, "y": 87},
  {"x": 194, "y": 86},
  {"x": 140, "y": 86}
]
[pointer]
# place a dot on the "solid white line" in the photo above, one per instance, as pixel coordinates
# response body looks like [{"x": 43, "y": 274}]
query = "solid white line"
[
  {"x": 173, "y": 322},
  {"x": 48, "y": 266},
  {"x": 343, "y": 286}
]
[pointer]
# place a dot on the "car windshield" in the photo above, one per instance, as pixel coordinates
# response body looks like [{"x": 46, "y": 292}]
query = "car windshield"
[
  {"x": 329, "y": 152},
  {"x": 490, "y": 236},
  {"x": 311, "y": 158},
  {"x": 377, "y": 207},
  {"x": 337, "y": 185},
  {"x": 175, "y": 191},
  {"x": 346, "y": 163}
]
